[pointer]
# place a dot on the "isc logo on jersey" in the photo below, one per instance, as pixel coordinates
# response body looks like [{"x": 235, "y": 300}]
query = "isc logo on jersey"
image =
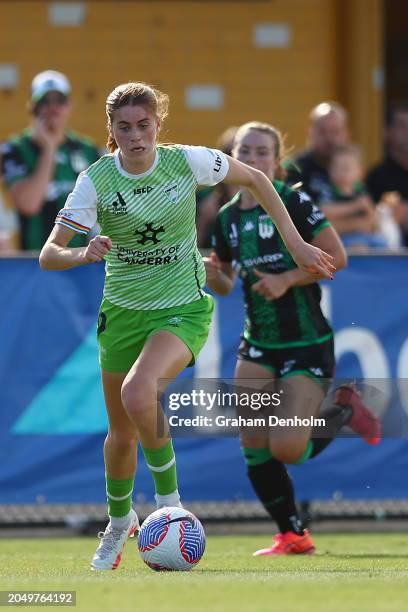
[
  {"x": 142, "y": 190},
  {"x": 265, "y": 227}
]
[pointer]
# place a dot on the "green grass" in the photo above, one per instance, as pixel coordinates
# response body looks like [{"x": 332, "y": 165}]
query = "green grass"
[{"x": 350, "y": 572}]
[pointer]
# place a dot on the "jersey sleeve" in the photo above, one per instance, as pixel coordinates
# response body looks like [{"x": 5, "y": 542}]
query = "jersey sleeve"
[
  {"x": 220, "y": 243},
  {"x": 13, "y": 166},
  {"x": 307, "y": 217},
  {"x": 209, "y": 166},
  {"x": 80, "y": 212}
]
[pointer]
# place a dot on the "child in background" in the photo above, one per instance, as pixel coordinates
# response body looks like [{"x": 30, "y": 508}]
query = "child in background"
[{"x": 354, "y": 215}]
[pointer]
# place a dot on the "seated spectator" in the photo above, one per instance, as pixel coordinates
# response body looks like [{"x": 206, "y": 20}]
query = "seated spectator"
[
  {"x": 210, "y": 199},
  {"x": 40, "y": 166},
  {"x": 350, "y": 210},
  {"x": 8, "y": 228},
  {"x": 388, "y": 181},
  {"x": 328, "y": 129},
  {"x": 8, "y": 223}
]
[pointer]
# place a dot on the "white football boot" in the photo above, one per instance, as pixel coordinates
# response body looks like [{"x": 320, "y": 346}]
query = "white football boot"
[{"x": 109, "y": 552}]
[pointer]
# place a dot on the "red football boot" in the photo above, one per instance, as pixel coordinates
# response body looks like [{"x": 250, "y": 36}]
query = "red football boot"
[
  {"x": 289, "y": 543},
  {"x": 363, "y": 422}
]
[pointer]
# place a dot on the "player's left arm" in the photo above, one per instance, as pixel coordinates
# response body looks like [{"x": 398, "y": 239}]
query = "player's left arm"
[{"x": 307, "y": 256}]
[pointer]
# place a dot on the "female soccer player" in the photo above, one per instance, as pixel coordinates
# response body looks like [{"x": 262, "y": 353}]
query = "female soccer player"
[
  {"x": 286, "y": 336},
  {"x": 155, "y": 316}
]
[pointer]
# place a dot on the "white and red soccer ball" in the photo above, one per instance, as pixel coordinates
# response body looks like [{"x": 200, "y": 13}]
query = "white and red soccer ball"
[{"x": 171, "y": 539}]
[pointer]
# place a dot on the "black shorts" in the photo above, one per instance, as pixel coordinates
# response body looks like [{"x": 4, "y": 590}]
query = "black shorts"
[{"x": 314, "y": 360}]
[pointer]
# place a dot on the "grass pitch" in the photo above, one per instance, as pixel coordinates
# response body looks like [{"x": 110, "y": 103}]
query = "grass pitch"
[{"x": 351, "y": 572}]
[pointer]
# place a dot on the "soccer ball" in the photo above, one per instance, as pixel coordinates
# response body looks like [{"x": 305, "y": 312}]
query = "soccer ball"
[{"x": 171, "y": 539}]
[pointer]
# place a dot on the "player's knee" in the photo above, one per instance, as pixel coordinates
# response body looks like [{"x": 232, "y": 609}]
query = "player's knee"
[
  {"x": 137, "y": 396},
  {"x": 122, "y": 439},
  {"x": 288, "y": 452}
]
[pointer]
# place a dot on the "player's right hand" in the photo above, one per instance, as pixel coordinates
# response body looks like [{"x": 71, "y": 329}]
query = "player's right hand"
[
  {"x": 97, "y": 249},
  {"x": 212, "y": 266}
]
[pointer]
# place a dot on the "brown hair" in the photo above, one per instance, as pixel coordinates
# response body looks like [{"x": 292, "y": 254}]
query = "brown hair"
[
  {"x": 279, "y": 142},
  {"x": 225, "y": 141},
  {"x": 134, "y": 94},
  {"x": 348, "y": 149}
]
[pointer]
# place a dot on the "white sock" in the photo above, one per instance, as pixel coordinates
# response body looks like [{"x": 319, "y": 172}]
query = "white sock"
[
  {"x": 120, "y": 522},
  {"x": 172, "y": 499}
]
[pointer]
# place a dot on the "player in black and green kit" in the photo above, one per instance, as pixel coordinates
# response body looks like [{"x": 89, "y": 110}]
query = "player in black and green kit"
[{"x": 286, "y": 335}]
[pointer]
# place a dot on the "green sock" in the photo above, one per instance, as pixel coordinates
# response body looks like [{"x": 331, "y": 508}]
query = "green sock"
[
  {"x": 119, "y": 494},
  {"x": 162, "y": 465},
  {"x": 307, "y": 453},
  {"x": 256, "y": 456}
]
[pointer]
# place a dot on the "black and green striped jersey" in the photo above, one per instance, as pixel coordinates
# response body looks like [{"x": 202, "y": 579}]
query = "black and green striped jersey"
[{"x": 248, "y": 239}]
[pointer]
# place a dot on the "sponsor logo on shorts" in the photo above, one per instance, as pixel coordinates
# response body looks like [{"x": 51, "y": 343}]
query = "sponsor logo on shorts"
[
  {"x": 175, "y": 321},
  {"x": 254, "y": 353},
  {"x": 316, "y": 371},
  {"x": 101, "y": 323},
  {"x": 287, "y": 366}
]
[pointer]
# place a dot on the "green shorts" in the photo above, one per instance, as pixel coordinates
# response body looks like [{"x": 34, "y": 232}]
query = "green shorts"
[{"x": 122, "y": 333}]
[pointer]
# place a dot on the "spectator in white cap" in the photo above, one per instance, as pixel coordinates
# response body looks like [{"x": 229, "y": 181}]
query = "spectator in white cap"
[
  {"x": 49, "y": 80},
  {"x": 40, "y": 166}
]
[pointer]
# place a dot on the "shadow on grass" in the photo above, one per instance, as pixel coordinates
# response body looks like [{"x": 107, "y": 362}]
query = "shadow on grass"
[
  {"x": 363, "y": 556},
  {"x": 305, "y": 570}
]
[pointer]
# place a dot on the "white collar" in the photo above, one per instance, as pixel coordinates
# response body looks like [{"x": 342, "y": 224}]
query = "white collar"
[{"x": 134, "y": 176}]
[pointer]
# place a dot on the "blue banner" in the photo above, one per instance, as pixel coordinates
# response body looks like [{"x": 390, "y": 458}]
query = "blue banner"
[{"x": 53, "y": 421}]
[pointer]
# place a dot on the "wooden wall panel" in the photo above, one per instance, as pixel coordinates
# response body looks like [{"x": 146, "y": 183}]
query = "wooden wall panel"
[{"x": 174, "y": 44}]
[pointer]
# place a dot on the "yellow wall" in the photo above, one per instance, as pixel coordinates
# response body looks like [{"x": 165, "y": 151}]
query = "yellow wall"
[
  {"x": 360, "y": 56},
  {"x": 174, "y": 44}
]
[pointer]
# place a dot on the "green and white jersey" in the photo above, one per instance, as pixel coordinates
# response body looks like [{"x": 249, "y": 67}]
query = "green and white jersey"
[{"x": 154, "y": 261}]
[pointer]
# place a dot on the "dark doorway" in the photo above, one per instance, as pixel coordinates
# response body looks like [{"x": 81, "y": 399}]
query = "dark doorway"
[{"x": 396, "y": 51}]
